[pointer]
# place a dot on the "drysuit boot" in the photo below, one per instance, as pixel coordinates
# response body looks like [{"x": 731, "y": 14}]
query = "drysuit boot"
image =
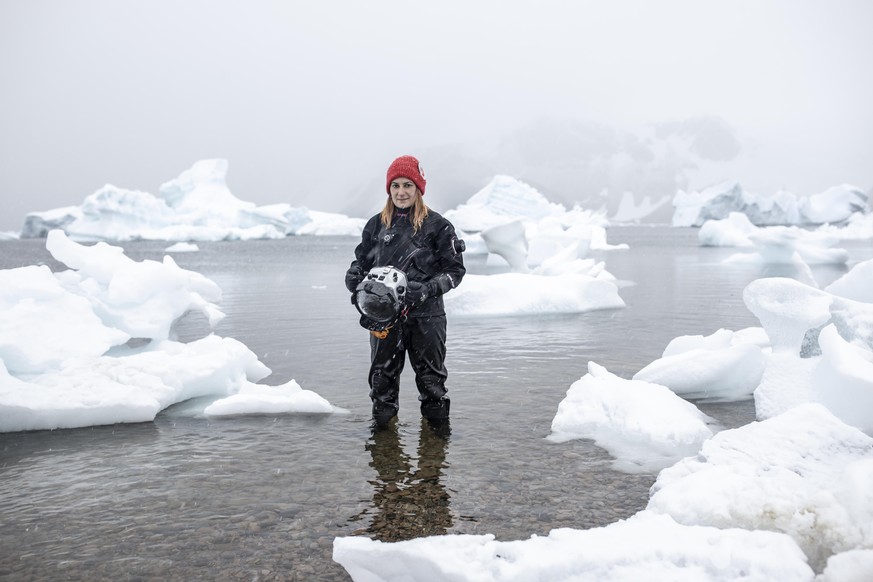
[{"x": 436, "y": 409}]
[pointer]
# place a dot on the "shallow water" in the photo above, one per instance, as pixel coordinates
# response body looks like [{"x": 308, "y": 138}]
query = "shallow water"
[{"x": 263, "y": 497}]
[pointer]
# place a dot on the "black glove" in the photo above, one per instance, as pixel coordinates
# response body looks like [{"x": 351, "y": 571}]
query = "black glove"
[
  {"x": 416, "y": 293},
  {"x": 354, "y": 276}
]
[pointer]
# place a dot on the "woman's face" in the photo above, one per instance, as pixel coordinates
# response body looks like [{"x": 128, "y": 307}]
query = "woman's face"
[{"x": 403, "y": 192}]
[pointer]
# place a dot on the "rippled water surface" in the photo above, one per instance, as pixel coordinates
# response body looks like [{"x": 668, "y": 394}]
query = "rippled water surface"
[{"x": 263, "y": 497}]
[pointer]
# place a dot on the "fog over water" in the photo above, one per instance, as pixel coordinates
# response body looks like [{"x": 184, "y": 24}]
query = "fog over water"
[{"x": 310, "y": 101}]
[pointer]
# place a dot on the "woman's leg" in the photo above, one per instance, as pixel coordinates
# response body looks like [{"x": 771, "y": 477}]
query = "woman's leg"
[
  {"x": 426, "y": 343},
  {"x": 387, "y": 358}
]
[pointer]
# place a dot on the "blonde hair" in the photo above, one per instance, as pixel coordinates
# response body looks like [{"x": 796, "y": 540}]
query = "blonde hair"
[{"x": 419, "y": 212}]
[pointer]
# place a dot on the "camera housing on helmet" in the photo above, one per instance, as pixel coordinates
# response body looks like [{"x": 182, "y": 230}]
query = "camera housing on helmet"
[{"x": 380, "y": 297}]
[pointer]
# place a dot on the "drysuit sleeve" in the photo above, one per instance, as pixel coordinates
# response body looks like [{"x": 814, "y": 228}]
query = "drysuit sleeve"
[
  {"x": 450, "y": 261},
  {"x": 364, "y": 253}
]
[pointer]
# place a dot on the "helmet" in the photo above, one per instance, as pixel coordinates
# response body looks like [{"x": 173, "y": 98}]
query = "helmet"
[{"x": 379, "y": 297}]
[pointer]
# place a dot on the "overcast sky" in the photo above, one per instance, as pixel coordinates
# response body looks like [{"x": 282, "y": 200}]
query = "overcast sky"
[{"x": 308, "y": 99}]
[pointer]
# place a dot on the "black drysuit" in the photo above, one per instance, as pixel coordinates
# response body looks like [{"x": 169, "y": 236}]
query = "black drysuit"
[{"x": 431, "y": 257}]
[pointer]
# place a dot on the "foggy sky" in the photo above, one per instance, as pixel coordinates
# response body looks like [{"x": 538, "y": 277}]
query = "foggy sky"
[{"x": 309, "y": 101}]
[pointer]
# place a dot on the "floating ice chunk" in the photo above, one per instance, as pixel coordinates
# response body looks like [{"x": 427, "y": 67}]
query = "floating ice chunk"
[
  {"x": 133, "y": 387},
  {"x": 782, "y": 245},
  {"x": 719, "y": 339},
  {"x": 65, "y": 358},
  {"x": 787, "y": 310},
  {"x": 502, "y": 200},
  {"x": 843, "y": 379},
  {"x": 508, "y": 241},
  {"x": 645, "y": 547},
  {"x": 143, "y": 299},
  {"x": 182, "y": 247},
  {"x": 197, "y": 205},
  {"x": 786, "y": 383},
  {"x": 520, "y": 294},
  {"x": 332, "y": 224},
  {"x": 836, "y": 204},
  {"x": 859, "y": 226},
  {"x": 804, "y": 473},
  {"x": 260, "y": 399},
  {"x": 857, "y": 284},
  {"x": 41, "y": 324},
  {"x": 643, "y": 425},
  {"x": 733, "y": 231},
  {"x": 710, "y": 368},
  {"x": 851, "y": 566}
]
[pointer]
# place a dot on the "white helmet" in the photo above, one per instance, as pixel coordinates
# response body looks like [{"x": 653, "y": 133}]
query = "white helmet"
[{"x": 380, "y": 296}]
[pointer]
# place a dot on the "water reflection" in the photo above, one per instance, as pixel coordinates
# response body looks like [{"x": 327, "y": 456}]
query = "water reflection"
[{"x": 409, "y": 498}]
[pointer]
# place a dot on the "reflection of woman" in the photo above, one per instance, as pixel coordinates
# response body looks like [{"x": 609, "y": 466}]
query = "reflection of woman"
[
  {"x": 411, "y": 237},
  {"x": 409, "y": 504}
]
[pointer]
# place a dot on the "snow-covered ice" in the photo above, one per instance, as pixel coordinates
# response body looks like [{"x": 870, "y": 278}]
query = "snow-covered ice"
[
  {"x": 835, "y": 205},
  {"x": 646, "y": 427},
  {"x": 94, "y": 344},
  {"x": 804, "y": 473},
  {"x": 773, "y": 500},
  {"x": 822, "y": 342},
  {"x": 518, "y": 223},
  {"x": 723, "y": 367},
  {"x": 778, "y": 499},
  {"x": 182, "y": 247},
  {"x": 520, "y": 294},
  {"x": 197, "y": 205},
  {"x": 647, "y": 547},
  {"x": 502, "y": 200},
  {"x": 545, "y": 246},
  {"x": 771, "y": 244}
]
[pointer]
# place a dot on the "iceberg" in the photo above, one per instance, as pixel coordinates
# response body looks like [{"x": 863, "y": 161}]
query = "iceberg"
[
  {"x": 519, "y": 228},
  {"x": 502, "y": 200},
  {"x": 195, "y": 206},
  {"x": 838, "y": 204}
]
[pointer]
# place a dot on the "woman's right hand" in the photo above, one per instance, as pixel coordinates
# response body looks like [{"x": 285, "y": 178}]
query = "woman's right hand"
[{"x": 354, "y": 276}]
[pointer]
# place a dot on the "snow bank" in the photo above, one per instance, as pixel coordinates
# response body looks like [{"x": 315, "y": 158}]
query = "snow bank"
[
  {"x": 197, "y": 205},
  {"x": 94, "y": 344}
]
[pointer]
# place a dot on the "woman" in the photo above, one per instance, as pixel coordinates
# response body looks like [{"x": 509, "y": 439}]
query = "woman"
[{"x": 413, "y": 238}]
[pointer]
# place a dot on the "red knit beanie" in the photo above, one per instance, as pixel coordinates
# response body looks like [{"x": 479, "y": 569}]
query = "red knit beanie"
[{"x": 406, "y": 167}]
